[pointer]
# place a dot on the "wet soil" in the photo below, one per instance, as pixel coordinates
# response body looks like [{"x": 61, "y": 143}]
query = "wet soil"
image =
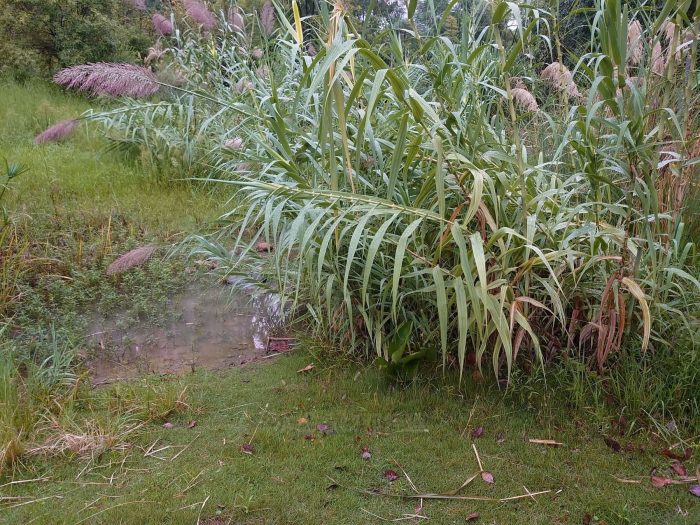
[{"x": 211, "y": 328}]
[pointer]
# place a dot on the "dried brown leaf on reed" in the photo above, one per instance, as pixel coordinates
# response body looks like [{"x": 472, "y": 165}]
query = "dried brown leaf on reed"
[
  {"x": 131, "y": 259},
  {"x": 559, "y": 77},
  {"x": 57, "y": 132},
  {"x": 113, "y": 79}
]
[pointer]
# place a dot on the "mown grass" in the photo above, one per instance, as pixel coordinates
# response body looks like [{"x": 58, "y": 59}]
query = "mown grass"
[
  {"x": 291, "y": 479},
  {"x": 79, "y": 207}
]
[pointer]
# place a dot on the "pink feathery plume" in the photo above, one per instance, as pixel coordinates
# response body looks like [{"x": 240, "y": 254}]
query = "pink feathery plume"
[
  {"x": 236, "y": 20},
  {"x": 57, "y": 132},
  {"x": 137, "y": 4},
  {"x": 268, "y": 18},
  {"x": 162, "y": 25},
  {"x": 198, "y": 12},
  {"x": 116, "y": 80}
]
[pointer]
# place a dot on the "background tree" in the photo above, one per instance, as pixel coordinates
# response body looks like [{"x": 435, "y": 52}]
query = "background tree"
[{"x": 40, "y": 36}]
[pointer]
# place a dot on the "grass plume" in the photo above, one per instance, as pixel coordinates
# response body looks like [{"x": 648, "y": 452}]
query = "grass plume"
[
  {"x": 116, "y": 80},
  {"x": 131, "y": 259},
  {"x": 57, "y": 132}
]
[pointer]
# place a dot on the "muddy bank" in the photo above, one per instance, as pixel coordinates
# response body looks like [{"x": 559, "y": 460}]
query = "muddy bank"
[{"x": 210, "y": 328}]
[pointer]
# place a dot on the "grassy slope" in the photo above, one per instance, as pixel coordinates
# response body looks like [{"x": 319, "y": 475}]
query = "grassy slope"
[
  {"x": 80, "y": 177},
  {"x": 85, "y": 205}
]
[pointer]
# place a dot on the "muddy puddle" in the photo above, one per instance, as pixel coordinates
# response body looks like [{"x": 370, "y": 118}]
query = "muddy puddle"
[{"x": 213, "y": 328}]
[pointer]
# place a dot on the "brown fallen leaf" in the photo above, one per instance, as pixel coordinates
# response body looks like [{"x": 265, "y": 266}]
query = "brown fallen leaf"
[
  {"x": 191, "y": 424},
  {"x": 473, "y": 516},
  {"x": 679, "y": 468},
  {"x": 390, "y": 475},
  {"x": 307, "y": 368},
  {"x": 500, "y": 437},
  {"x": 248, "y": 448},
  {"x": 477, "y": 432},
  {"x": 302, "y": 421},
  {"x": 694, "y": 490},
  {"x": 308, "y": 437},
  {"x": 324, "y": 429},
  {"x": 670, "y": 454},
  {"x": 487, "y": 477},
  {"x": 660, "y": 481},
  {"x": 168, "y": 425},
  {"x": 612, "y": 444},
  {"x": 365, "y": 453},
  {"x": 549, "y": 442},
  {"x": 587, "y": 519}
]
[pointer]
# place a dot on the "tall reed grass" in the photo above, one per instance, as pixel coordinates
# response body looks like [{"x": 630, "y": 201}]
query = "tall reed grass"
[{"x": 453, "y": 198}]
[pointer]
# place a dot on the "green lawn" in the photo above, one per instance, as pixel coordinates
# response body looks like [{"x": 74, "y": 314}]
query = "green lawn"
[
  {"x": 79, "y": 206},
  {"x": 291, "y": 479}
]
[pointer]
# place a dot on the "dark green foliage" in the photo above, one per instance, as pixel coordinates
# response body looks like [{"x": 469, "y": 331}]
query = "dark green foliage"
[{"x": 39, "y": 36}]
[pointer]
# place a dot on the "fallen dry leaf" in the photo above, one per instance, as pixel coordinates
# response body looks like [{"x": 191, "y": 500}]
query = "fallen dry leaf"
[
  {"x": 473, "y": 516},
  {"x": 660, "y": 481},
  {"x": 477, "y": 432},
  {"x": 487, "y": 477},
  {"x": 587, "y": 518},
  {"x": 247, "y": 448},
  {"x": 309, "y": 437},
  {"x": 670, "y": 454},
  {"x": 612, "y": 444},
  {"x": 500, "y": 437},
  {"x": 324, "y": 429},
  {"x": 365, "y": 453},
  {"x": 191, "y": 424},
  {"x": 302, "y": 421},
  {"x": 168, "y": 425},
  {"x": 679, "y": 468},
  {"x": 390, "y": 475},
  {"x": 307, "y": 368},
  {"x": 694, "y": 490}
]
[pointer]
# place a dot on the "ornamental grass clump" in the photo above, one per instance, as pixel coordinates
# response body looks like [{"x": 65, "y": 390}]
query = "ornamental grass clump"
[{"x": 504, "y": 227}]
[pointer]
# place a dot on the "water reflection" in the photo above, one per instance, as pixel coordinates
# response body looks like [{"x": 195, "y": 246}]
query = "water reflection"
[{"x": 212, "y": 328}]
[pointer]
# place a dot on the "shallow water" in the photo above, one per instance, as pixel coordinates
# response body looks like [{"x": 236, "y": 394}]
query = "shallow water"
[{"x": 213, "y": 328}]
